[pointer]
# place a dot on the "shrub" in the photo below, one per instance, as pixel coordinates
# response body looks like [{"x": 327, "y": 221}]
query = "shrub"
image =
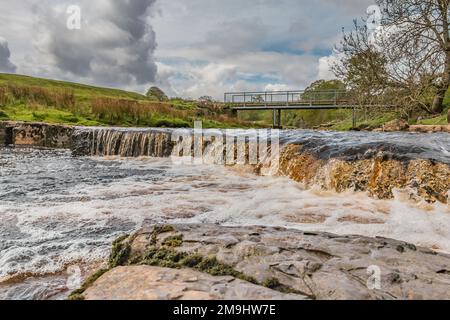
[
  {"x": 4, "y": 97},
  {"x": 155, "y": 93},
  {"x": 121, "y": 110}
]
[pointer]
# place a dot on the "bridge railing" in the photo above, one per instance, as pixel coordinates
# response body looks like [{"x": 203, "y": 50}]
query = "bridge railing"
[{"x": 288, "y": 98}]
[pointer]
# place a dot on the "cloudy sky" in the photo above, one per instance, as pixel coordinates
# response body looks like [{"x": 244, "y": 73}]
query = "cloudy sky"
[{"x": 189, "y": 48}]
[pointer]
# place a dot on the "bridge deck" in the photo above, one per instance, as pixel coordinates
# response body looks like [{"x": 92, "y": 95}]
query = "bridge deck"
[
  {"x": 291, "y": 106},
  {"x": 277, "y": 101},
  {"x": 325, "y": 99}
]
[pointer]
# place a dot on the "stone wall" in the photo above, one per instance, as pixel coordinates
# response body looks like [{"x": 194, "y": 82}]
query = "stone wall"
[{"x": 35, "y": 134}]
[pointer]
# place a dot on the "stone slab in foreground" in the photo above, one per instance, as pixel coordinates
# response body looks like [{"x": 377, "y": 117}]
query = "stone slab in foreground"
[
  {"x": 154, "y": 283},
  {"x": 301, "y": 264}
]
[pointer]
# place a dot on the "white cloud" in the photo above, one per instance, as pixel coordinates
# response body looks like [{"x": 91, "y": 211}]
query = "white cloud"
[
  {"x": 114, "y": 46},
  {"x": 277, "y": 87},
  {"x": 205, "y": 47},
  {"x": 252, "y": 45},
  {"x": 325, "y": 64}
]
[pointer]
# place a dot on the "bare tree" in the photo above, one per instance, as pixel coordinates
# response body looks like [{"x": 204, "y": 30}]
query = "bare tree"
[{"x": 406, "y": 60}]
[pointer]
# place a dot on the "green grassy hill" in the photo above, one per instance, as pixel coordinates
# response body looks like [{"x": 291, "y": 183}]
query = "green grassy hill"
[
  {"x": 24, "y": 98},
  {"x": 81, "y": 91}
]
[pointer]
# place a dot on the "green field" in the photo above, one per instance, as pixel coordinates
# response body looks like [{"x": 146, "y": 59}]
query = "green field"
[
  {"x": 24, "y": 98},
  {"x": 341, "y": 120}
]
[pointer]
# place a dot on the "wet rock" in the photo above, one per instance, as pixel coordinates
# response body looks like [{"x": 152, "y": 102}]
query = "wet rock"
[
  {"x": 36, "y": 134},
  {"x": 430, "y": 128},
  {"x": 82, "y": 143},
  {"x": 6, "y": 137},
  {"x": 395, "y": 125},
  {"x": 297, "y": 165},
  {"x": 155, "y": 283},
  {"x": 430, "y": 180},
  {"x": 379, "y": 175},
  {"x": 301, "y": 264}
]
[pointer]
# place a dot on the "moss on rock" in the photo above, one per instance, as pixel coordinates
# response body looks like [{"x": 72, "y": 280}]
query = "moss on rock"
[
  {"x": 120, "y": 252},
  {"x": 160, "y": 229},
  {"x": 78, "y": 294},
  {"x": 174, "y": 241}
]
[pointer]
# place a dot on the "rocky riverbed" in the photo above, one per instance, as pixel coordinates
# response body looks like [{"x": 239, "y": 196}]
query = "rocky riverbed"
[{"x": 214, "y": 262}]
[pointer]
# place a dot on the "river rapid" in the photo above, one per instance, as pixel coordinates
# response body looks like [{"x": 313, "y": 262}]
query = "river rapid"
[{"x": 59, "y": 213}]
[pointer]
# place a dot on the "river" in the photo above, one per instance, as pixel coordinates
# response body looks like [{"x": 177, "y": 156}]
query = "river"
[{"x": 58, "y": 210}]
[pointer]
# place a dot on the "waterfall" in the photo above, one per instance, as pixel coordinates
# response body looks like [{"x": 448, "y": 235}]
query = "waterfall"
[
  {"x": 216, "y": 147},
  {"x": 371, "y": 168},
  {"x": 124, "y": 143}
]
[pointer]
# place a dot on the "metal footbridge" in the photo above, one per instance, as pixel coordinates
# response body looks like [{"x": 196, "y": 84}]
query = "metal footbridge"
[{"x": 277, "y": 101}]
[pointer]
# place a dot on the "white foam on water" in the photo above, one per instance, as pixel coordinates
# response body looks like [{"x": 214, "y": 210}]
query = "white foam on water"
[{"x": 49, "y": 229}]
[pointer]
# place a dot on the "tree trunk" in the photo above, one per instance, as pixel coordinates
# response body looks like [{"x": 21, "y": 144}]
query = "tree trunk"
[{"x": 438, "y": 102}]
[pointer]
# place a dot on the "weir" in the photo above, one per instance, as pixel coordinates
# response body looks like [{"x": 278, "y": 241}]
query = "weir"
[
  {"x": 337, "y": 161},
  {"x": 115, "y": 142},
  {"x": 210, "y": 146},
  {"x": 374, "y": 162}
]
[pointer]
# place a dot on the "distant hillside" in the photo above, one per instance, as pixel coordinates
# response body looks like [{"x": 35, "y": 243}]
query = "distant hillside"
[
  {"x": 25, "y": 98},
  {"x": 80, "y": 90}
]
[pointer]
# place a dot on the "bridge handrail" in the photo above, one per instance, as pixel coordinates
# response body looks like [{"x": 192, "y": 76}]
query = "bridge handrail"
[
  {"x": 281, "y": 92},
  {"x": 288, "y": 96}
]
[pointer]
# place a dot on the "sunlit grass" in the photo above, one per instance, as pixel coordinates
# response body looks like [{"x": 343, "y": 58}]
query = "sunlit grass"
[{"x": 24, "y": 98}]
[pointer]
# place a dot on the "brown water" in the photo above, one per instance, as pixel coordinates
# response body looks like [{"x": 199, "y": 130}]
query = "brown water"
[{"x": 58, "y": 211}]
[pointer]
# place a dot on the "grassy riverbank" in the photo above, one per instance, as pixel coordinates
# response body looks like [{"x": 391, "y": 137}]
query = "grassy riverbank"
[
  {"x": 341, "y": 120},
  {"x": 24, "y": 98}
]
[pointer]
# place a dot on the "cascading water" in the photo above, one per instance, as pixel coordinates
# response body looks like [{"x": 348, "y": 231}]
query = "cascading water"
[
  {"x": 61, "y": 208},
  {"x": 124, "y": 143},
  {"x": 377, "y": 163}
]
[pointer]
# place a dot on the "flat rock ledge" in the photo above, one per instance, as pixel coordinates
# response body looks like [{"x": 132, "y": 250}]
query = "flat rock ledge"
[
  {"x": 155, "y": 283},
  {"x": 215, "y": 262}
]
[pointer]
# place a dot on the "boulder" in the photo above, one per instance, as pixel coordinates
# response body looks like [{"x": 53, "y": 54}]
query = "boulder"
[
  {"x": 396, "y": 125},
  {"x": 430, "y": 128},
  {"x": 248, "y": 260},
  {"x": 155, "y": 283}
]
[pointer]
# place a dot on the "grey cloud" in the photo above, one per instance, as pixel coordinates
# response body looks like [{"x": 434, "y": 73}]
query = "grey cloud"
[
  {"x": 235, "y": 37},
  {"x": 114, "y": 47},
  {"x": 249, "y": 45},
  {"x": 5, "y": 64},
  {"x": 204, "y": 46},
  {"x": 356, "y": 7}
]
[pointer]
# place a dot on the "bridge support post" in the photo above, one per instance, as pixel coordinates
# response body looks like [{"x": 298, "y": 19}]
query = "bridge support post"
[
  {"x": 279, "y": 118},
  {"x": 274, "y": 118},
  {"x": 354, "y": 119}
]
